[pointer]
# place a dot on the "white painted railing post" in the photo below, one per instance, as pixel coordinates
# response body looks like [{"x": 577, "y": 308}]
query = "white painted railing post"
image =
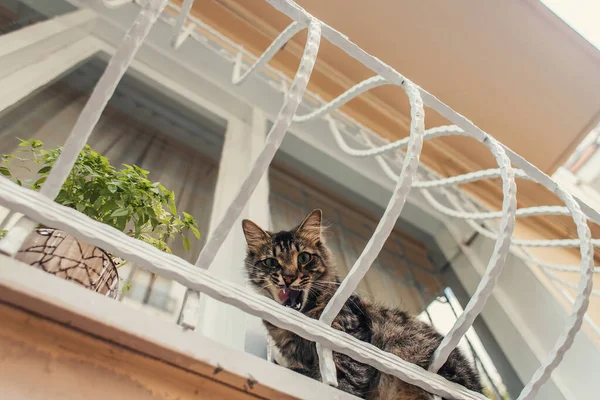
[
  {"x": 243, "y": 142},
  {"x": 259, "y": 211}
]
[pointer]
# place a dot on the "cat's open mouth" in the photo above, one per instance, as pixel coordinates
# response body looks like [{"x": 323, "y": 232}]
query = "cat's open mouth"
[{"x": 291, "y": 298}]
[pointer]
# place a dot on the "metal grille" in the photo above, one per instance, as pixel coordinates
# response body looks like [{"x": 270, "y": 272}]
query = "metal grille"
[{"x": 403, "y": 167}]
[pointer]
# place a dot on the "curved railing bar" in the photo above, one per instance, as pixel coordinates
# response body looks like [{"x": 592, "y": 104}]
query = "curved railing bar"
[
  {"x": 575, "y": 320},
  {"x": 516, "y": 249},
  {"x": 269, "y": 53},
  {"x": 471, "y": 177},
  {"x": 552, "y": 266},
  {"x": 386, "y": 223},
  {"x": 345, "y": 97},
  {"x": 495, "y": 265},
  {"x": 519, "y": 254},
  {"x": 590, "y": 323},
  {"x": 521, "y": 212},
  {"x": 581, "y": 303},
  {"x": 557, "y": 210},
  {"x": 516, "y": 242},
  {"x": 497, "y": 259},
  {"x": 179, "y": 33},
  {"x": 570, "y": 285},
  {"x": 468, "y": 177},
  {"x": 491, "y": 235},
  {"x": 115, "y": 3},
  {"x": 431, "y": 133},
  {"x": 272, "y": 143}
]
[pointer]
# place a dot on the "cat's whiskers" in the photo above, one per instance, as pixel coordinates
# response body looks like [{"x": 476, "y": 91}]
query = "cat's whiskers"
[{"x": 330, "y": 283}]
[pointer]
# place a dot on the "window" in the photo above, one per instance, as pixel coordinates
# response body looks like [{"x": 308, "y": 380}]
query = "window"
[{"x": 442, "y": 313}]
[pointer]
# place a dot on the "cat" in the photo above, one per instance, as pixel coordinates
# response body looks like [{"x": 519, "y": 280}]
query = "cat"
[{"x": 295, "y": 269}]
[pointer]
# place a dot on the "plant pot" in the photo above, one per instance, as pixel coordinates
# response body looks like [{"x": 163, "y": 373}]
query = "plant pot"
[{"x": 61, "y": 254}]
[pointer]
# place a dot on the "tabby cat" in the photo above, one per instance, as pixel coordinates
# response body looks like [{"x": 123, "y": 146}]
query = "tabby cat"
[{"x": 296, "y": 269}]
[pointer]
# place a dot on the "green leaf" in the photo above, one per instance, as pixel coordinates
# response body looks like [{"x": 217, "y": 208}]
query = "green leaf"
[
  {"x": 121, "y": 212},
  {"x": 80, "y": 207},
  {"x": 126, "y": 287},
  {"x": 108, "y": 207},
  {"x": 39, "y": 181},
  {"x": 44, "y": 169},
  {"x": 97, "y": 203},
  {"x": 143, "y": 218},
  {"x": 121, "y": 223},
  {"x": 5, "y": 171},
  {"x": 186, "y": 243},
  {"x": 195, "y": 231}
]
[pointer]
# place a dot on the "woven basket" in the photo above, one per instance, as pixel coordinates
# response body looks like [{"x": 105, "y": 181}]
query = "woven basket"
[{"x": 61, "y": 254}]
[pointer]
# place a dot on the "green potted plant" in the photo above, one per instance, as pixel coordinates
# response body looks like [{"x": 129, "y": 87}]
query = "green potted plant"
[{"x": 122, "y": 198}]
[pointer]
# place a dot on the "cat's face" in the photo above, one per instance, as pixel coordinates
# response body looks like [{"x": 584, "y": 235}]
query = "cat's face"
[{"x": 289, "y": 265}]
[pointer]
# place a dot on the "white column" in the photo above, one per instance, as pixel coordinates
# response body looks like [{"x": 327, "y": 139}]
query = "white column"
[
  {"x": 242, "y": 144},
  {"x": 259, "y": 211}
]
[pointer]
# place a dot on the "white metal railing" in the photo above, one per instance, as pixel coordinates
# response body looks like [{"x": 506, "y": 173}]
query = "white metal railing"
[{"x": 40, "y": 208}]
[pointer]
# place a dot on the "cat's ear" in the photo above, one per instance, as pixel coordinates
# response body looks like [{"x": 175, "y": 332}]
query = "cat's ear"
[
  {"x": 255, "y": 235},
  {"x": 311, "y": 226}
]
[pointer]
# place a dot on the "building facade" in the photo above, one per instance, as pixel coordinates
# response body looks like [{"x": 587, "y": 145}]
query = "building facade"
[{"x": 176, "y": 114}]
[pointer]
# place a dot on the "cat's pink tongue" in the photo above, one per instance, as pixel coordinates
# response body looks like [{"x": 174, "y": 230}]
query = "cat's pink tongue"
[{"x": 284, "y": 294}]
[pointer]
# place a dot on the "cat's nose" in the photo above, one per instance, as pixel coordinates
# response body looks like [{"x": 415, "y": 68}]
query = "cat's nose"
[{"x": 288, "y": 279}]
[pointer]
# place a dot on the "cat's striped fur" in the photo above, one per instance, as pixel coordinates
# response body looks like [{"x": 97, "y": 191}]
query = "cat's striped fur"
[{"x": 296, "y": 269}]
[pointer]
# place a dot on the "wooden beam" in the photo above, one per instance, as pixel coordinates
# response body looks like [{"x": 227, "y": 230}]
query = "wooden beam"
[{"x": 42, "y": 359}]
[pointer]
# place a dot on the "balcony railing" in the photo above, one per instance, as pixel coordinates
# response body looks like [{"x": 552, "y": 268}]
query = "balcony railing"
[{"x": 40, "y": 207}]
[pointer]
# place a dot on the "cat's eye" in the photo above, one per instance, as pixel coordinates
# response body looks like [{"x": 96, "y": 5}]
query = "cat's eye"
[
  {"x": 304, "y": 258},
  {"x": 269, "y": 262}
]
